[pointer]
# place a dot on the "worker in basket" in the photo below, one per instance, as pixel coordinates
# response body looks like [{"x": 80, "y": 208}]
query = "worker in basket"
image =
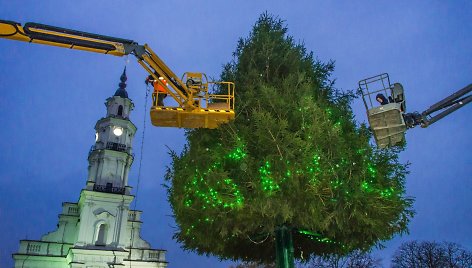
[
  {"x": 159, "y": 90},
  {"x": 381, "y": 99}
]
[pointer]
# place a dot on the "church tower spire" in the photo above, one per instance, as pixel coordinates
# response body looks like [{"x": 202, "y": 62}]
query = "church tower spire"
[{"x": 121, "y": 91}]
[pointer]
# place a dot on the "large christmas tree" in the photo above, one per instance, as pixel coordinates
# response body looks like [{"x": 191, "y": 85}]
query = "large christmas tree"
[{"x": 293, "y": 158}]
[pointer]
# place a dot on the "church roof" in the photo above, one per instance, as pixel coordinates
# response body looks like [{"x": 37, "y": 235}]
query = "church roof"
[{"x": 121, "y": 91}]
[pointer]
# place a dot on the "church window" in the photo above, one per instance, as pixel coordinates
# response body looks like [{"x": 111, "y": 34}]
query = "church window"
[
  {"x": 102, "y": 235},
  {"x": 120, "y": 110}
]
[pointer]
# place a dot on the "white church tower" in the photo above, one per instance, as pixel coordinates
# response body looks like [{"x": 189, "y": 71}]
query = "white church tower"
[{"x": 100, "y": 230}]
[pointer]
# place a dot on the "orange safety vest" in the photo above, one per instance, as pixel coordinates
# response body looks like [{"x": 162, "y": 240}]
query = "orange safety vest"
[{"x": 159, "y": 88}]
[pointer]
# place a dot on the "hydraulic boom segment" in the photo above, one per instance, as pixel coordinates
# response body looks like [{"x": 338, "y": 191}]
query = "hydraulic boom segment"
[
  {"x": 196, "y": 106},
  {"x": 440, "y": 109}
]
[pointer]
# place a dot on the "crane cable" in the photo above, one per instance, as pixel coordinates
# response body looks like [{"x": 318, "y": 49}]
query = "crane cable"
[
  {"x": 131, "y": 236},
  {"x": 142, "y": 147}
]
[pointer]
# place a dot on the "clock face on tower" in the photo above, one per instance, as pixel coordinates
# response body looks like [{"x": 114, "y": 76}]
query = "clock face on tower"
[{"x": 118, "y": 131}]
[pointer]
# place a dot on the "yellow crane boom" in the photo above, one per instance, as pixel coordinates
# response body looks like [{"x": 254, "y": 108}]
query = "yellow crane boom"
[{"x": 197, "y": 107}]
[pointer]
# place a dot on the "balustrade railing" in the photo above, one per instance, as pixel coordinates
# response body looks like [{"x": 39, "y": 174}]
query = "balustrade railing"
[
  {"x": 109, "y": 189},
  {"x": 116, "y": 146},
  {"x": 153, "y": 255},
  {"x": 119, "y": 147},
  {"x": 44, "y": 248}
]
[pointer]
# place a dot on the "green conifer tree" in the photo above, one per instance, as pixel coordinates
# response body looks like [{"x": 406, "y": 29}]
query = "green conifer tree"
[{"x": 293, "y": 157}]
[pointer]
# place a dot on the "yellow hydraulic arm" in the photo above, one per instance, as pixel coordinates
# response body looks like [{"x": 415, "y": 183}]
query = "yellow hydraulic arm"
[{"x": 197, "y": 108}]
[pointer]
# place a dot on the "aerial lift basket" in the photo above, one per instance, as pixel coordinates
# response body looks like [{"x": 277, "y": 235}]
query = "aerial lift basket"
[
  {"x": 208, "y": 110},
  {"x": 386, "y": 121}
]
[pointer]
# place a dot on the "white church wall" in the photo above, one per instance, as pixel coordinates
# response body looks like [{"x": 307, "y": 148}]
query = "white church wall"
[{"x": 133, "y": 231}]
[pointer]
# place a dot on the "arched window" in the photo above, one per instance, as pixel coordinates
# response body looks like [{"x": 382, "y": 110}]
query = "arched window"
[
  {"x": 102, "y": 235},
  {"x": 120, "y": 110}
]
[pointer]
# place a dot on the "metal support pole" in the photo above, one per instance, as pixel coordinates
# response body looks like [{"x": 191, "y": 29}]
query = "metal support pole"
[{"x": 284, "y": 248}]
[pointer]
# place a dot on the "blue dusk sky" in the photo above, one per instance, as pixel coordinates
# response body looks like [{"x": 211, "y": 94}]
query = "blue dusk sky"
[{"x": 51, "y": 98}]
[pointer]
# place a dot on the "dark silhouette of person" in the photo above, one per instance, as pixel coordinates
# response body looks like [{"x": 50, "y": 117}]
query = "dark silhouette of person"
[{"x": 381, "y": 99}]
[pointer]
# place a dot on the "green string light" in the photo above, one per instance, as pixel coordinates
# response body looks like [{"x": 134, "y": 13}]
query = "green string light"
[
  {"x": 387, "y": 192},
  {"x": 199, "y": 188},
  {"x": 237, "y": 154},
  {"x": 268, "y": 183},
  {"x": 317, "y": 237},
  {"x": 329, "y": 111},
  {"x": 225, "y": 194},
  {"x": 366, "y": 187},
  {"x": 372, "y": 171}
]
